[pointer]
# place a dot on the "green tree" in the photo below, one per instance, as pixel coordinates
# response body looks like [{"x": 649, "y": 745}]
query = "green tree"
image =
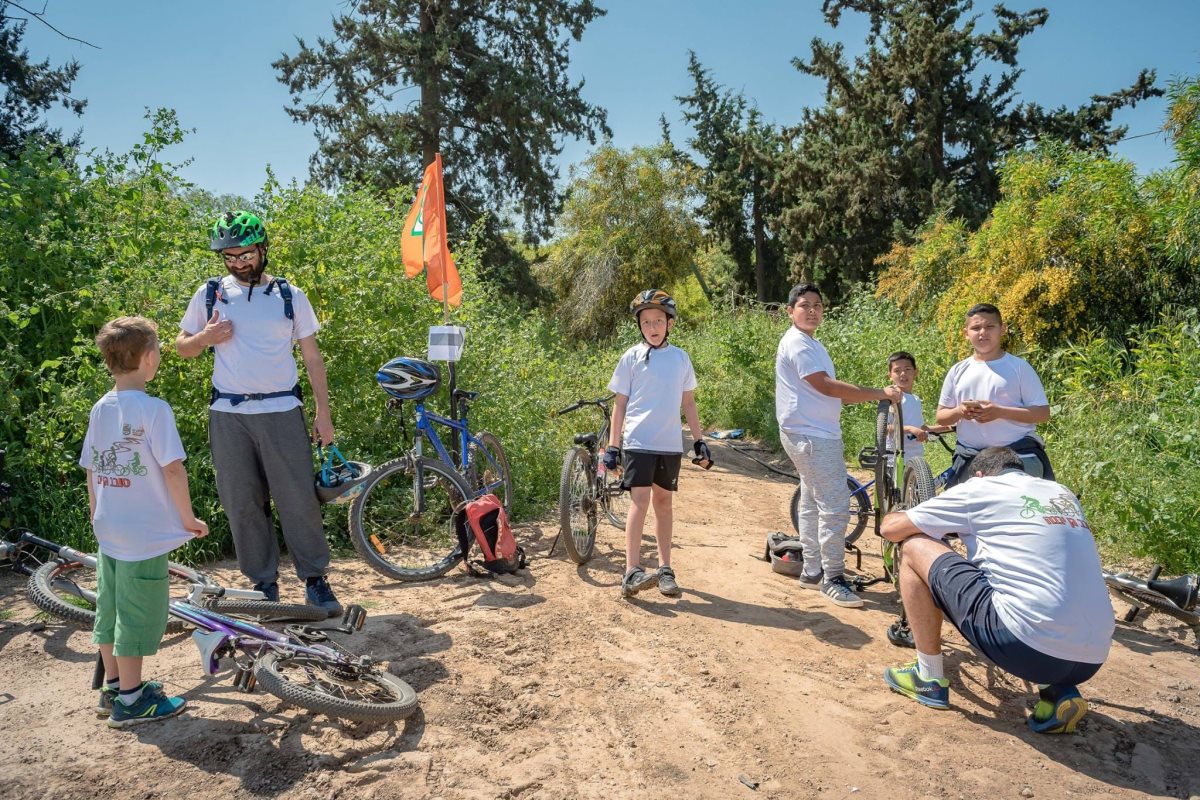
[
  {"x": 484, "y": 82},
  {"x": 627, "y": 226},
  {"x": 30, "y": 88},
  {"x": 916, "y": 125}
]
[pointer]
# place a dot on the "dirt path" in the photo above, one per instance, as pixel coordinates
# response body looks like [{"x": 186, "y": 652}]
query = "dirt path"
[{"x": 551, "y": 686}]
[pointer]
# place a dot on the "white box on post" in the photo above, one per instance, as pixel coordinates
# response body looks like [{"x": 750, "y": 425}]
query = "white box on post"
[{"x": 446, "y": 342}]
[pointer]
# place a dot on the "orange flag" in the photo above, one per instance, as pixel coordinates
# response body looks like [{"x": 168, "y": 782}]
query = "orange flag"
[{"x": 424, "y": 243}]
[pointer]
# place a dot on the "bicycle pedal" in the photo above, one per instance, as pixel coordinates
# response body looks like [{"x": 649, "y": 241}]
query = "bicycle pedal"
[
  {"x": 355, "y": 617},
  {"x": 244, "y": 679}
]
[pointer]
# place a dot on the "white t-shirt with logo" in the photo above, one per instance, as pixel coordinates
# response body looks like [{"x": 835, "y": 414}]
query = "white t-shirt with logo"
[
  {"x": 799, "y": 408},
  {"x": 1030, "y": 538},
  {"x": 131, "y": 436},
  {"x": 259, "y": 358},
  {"x": 1007, "y": 381},
  {"x": 913, "y": 414},
  {"x": 655, "y": 388}
]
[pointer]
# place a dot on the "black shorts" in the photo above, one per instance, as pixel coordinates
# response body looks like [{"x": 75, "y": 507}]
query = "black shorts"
[
  {"x": 963, "y": 592},
  {"x": 644, "y": 469}
]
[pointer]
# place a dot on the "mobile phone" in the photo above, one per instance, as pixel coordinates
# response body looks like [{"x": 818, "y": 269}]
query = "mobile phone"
[{"x": 972, "y": 404}]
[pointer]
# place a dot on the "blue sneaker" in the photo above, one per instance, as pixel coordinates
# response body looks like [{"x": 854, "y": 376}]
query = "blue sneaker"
[
  {"x": 270, "y": 590},
  {"x": 318, "y": 594},
  {"x": 152, "y": 705},
  {"x": 906, "y": 680},
  {"x": 1057, "y": 714},
  {"x": 104, "y": 705}
]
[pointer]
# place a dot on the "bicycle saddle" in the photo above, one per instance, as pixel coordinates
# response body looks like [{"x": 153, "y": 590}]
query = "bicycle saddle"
[
  {"x": 1181, "y": 591},
  {"x": 585, "y": 438},
  {"x": 463, "y": 394}
]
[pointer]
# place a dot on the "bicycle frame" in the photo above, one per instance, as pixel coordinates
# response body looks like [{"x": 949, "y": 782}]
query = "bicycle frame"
[{"x": 426, "y": 420}]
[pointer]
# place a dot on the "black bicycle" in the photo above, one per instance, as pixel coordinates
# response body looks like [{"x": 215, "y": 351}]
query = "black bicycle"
[
  {"x": 1176, "y": 597},
  {"x": 586, "y": 490}
]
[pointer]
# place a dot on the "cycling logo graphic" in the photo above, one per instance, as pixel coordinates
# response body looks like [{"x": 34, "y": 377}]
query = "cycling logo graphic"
[
  {"x": 110, "y": 469},
  {"x": 1061, "y": 510}
]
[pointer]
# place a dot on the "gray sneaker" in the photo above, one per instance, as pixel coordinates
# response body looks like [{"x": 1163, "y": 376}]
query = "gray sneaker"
[
  {"x": 814, "y": 582},
  {"x": 637, "y": 580},
  {"x": 837, "y": 590},
  {"x": 666, "y": 582}
]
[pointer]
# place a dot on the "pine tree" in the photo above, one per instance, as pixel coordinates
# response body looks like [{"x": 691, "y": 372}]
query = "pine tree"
[{"x": 30, "y": 89}]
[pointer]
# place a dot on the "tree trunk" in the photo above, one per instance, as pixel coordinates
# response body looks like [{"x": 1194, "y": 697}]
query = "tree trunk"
[
  {"x": 760, "y": 244},
  {"x": 431, "y": 95}
]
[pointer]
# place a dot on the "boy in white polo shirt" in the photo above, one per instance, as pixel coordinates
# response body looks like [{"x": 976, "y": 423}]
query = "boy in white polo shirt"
[
  {"x": 652, "y": 380},
  {"x": 808, "y": 407},
  {"x": 995, "y": 398},
  {"x": 140, "y": 511}
]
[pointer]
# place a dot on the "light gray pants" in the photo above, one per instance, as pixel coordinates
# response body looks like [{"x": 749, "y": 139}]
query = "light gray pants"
[
  {"x": 259, "y": 458},
  {"x": 824, "y": 500}
]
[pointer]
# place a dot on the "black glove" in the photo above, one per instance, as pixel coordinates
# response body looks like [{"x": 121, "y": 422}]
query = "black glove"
[
  {"x": 703, "y": 455},
  {"x": 611, "y": 457}
]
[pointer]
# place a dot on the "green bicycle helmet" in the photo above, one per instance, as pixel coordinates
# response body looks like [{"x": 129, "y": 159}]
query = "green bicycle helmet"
[{"x": 236, "y": 229}]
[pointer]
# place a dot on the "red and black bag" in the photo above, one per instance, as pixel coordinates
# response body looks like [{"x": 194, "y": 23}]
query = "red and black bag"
[{"x": 484, "y": 523}]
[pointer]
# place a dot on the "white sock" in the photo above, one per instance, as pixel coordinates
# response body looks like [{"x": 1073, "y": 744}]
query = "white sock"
[
  {"x": 114, "y": 684},
  {"x": 129, "y": 698},
  {"x": 929, "y": 667}
]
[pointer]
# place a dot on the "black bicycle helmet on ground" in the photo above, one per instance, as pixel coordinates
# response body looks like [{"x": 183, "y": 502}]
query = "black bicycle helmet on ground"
[{"x": 409, "y": 378}]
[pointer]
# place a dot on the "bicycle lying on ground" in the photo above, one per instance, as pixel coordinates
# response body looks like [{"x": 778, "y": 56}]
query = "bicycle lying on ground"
[
  {"x": 403, "y": 524},
  {"x": 1176, "y": 597},
  {"x": 300, "y": 666},
  {"x": 586, "y": 490}
]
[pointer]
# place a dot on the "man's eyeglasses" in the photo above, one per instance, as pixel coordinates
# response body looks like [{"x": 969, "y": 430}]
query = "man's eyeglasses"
[{"x": 242, "y": 258}]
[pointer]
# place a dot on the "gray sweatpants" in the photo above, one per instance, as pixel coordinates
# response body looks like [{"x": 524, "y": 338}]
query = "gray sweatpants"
[
  {"x": 824, "y": 500},
  {"x": 259, "y": 458}
]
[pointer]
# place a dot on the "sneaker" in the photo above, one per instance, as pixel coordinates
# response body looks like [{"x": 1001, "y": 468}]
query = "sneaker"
[
  {"x": 318, "y": 594},
  {"x": 104, "y": 705},
  {"x": 1057, "y": 714},
  {"x": 837, "y": 590},
  {"x": 666, "y": 582},
  {"x": 152, "y": 705},
  {"x": 814, "y": 582},
  {"x": 636, "y": 580},
  {"x": 906, "y": 680},
  {"x": 270, "y": 590}
]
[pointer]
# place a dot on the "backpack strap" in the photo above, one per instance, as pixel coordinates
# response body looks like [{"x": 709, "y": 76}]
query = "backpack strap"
[
  {"x": 211, "y": 288},
  {"x": 285, "y": 291}
]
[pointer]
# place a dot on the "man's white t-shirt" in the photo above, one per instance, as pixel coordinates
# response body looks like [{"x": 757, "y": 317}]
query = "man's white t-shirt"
[
  {"x": 259, "y": 358},
  {"x": 913, "y": 415},
  {"x": 131, "y": 436},
  {"x": 1006, "y": 381},
  {"x": 1030, "y": 538},
  {"x": 799, "y": 408},
  {"x": 655, "y": 388}
]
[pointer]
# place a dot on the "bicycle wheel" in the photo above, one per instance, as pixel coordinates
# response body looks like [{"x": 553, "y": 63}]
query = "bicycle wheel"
[
  {"x": 68, "y": 591},
  {"x": 393, "y": 536},
  {"x": 860, "y": 510},
  {"x": 577, "y": 506},
  {"x": 346, "y": 691},
  {"x": 266, "y": 609},
  {"x": 489, "y": 469},
  {"x": 615, "y": 500},
  {"x": 918, "y": 482}
]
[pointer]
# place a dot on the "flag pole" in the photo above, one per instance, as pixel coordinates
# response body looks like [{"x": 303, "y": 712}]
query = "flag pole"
[{"x": 446, "y": 309}]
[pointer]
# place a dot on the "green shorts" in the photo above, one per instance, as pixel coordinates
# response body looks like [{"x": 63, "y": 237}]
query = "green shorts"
[{"x": 131, "y": 604}]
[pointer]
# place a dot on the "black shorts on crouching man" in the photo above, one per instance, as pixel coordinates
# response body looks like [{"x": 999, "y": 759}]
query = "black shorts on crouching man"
[{"x": 643, "y": 469}]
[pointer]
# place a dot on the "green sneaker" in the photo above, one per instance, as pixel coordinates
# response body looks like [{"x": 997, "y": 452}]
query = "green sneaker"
[
  {"x": 104, "y": 705},
  {"x": 1057, "y": 714},
  {"x": 934, "y": 693},
  {"x": 152, "y": 705}
]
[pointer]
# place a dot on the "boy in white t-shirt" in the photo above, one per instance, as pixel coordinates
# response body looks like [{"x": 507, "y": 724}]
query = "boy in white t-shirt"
[
  {"x": 651, "y": 381},
  {"x": 995, "y": 398},
  {"x": 902, "y": 371},
  {"x": 808, "y": 408},
  {"x": 140, "y": 511}
]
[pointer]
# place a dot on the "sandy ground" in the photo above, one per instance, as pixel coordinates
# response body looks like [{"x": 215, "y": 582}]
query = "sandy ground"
[{"x": 550, "y": 685}]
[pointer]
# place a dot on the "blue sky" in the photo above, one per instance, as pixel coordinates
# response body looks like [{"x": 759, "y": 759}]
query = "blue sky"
[{"x": 211, "y": 62}]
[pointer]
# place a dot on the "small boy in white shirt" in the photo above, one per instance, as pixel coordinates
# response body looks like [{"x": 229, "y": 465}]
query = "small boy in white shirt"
[
  {"x": 140, "y": 511},
  {"x": 652, "y": 380},
  {"x": 902, "y": 371}
]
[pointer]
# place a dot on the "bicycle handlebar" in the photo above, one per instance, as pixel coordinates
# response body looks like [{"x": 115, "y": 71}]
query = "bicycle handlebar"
[{"x": 601, "y": 403}]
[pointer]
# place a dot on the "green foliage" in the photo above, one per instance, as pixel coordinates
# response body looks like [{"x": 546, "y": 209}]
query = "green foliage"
[
  {"x": 30, "y": 89},
  {"x": 915, "y": 127},
  {"x": 627, "y": 226}
]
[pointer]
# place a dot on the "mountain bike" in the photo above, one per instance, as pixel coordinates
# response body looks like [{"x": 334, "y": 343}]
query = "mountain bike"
[
  {"x": 1176, "y": 597},
  {"x": 301, "y": 666},
  {"x": 860, "y": 510},
  {"x": 404, "y": 523},
  {"x": 586, "y": 490}
]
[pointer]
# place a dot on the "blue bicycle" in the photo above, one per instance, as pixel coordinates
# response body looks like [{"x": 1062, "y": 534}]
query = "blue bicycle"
[{"x": 404, "y": 524}]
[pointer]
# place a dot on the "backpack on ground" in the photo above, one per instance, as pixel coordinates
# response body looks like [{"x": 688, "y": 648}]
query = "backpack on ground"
[
  {"x": 784, "y": 553},
  {"x": 482, "y": 522}
]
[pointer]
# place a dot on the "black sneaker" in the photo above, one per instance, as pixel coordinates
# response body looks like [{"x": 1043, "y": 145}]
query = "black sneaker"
[
  {"x": 270, "y": 590},
  {"x": 666, "y": 582},
  {"x": 636, "y": 580},
  {"x": 318, "y": 594}
]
